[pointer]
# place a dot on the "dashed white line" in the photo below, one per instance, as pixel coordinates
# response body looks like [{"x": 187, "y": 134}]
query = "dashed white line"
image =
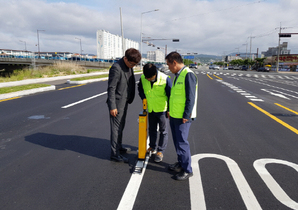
[{"x": 81, "y": 101}]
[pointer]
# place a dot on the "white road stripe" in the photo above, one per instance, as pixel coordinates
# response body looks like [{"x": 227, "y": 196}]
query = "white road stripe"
[
  {"x": 81, "y": 101},
  {"x": 132, "y": 189}
]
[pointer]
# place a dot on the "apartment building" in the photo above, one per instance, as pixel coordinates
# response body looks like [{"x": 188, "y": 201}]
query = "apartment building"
[{"x": 109, "y": 46}]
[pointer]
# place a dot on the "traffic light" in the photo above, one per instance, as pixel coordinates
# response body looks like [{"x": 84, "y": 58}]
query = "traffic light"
[
  {"x": 175, "y": 40},
  {"x": 284, "y": 35}
]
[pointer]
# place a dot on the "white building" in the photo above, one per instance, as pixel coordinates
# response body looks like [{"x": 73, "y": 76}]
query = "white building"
[
  {"x": 157, "y": 56},
  {"x": 109, "y": 46}
]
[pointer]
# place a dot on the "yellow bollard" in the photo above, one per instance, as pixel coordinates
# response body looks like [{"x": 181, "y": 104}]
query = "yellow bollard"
[{"x": 143, "y": 121}]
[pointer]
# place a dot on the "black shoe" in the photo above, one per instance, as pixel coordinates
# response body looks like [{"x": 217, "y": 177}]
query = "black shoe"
[
  {"x": 119, "y": 158},
  {"x": 124, "y": 149},
  {"x": 183, "y": 176},
  {"x": 175, "y": 167}
]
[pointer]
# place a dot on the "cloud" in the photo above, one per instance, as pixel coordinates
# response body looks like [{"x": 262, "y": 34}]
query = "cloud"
[{"x": 209, "y": 27}]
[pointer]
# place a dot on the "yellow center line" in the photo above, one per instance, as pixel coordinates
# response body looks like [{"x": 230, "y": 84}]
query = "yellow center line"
[
  {"x": 209, "y": 76},
  {"x": 71, "y": 87},
  {"x": 286, "y": 108},
  {"x": 217, "y": 77},
  {"x": 8, "y": 99},
  {"x": 274, "y": 118}
]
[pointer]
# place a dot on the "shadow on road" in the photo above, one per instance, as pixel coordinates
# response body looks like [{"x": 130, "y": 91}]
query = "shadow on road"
[{"x": 95, "y": 147}]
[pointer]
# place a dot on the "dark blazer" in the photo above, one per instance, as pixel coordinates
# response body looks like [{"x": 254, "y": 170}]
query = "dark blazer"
[{"x": 121, "y": 86}]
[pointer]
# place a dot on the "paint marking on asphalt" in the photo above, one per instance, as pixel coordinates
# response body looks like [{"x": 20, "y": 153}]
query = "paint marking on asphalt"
[
  {"x": 209, "y": 76},
  {"x": 8, "y": 99},
  {"x": 81, "y": 101},
  {"x": 197, "y": 197},
  {"x": 274, "y": 187},
  {"x": 132, "y": 189},
  {"x": 217, "y": 77},
  {"x": 287, "y": 108},
  {"x": 71, "y": 87},
  {"x": 129, "y": 197},
  {"x": 274, "y": 118}
]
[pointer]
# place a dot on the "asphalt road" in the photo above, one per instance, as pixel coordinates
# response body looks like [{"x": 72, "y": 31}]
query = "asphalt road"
[{"x": 54, "y": 149}]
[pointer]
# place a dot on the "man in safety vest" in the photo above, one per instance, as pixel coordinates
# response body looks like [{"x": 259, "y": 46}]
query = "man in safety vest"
[
  {"x": 183, "y": 105},
  {"x": 156, "y": 86}
]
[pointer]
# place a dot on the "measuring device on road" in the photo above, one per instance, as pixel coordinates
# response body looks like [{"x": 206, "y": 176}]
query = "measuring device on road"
[{"x": 143, "y": 133}]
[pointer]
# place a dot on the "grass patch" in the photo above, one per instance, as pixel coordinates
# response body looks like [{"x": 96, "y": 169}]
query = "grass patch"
[
  {"x": 58, "y": 69},
  {"x": 91, "y": 77},
  {"x": 21, "y": 87}
]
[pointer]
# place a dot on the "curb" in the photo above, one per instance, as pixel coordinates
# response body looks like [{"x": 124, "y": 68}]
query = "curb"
[{"x": 26, "y": 92}]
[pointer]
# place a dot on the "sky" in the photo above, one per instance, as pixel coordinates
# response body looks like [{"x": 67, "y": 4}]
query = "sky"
[{"x": 214, "y": 27}]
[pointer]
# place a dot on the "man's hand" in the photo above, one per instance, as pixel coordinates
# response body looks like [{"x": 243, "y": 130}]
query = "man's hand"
[
  {"x": 184, "y": 120},
  {"x": 114, "y": 112},
  {"x": 168, "y": 115}
]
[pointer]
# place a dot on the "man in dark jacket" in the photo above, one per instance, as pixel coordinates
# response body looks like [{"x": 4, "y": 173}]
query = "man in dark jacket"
[{"x": 121, "y": 92}]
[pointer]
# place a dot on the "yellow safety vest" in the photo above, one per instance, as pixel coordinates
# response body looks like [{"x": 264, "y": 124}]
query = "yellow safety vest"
[
  {"x": 178, "y": 96},
  {"x": 156, "y": 96}
]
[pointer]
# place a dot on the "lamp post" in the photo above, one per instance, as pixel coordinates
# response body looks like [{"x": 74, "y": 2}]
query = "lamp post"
[
  {"x": 25, "y": 46},
  {"x": 142, "y": 29},
  {"x": 80, "y": 45},
  {"x": 38, "y": 42}
]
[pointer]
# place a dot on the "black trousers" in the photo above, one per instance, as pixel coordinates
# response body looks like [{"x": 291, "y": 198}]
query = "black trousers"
[
  {"x": 117, "y": 125},
  {"x": 158, "y": 118}
]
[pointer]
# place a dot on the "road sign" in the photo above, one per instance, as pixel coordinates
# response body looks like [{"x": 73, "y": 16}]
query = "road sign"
[{"x": 189, "y": 57}]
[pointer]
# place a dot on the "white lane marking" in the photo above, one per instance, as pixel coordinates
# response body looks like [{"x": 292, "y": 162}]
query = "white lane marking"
[
  {"x": 133, "y": 186},
  {"x": 277, "y": 191},
  {"x": 81, "y": 101},
  {"x": 242, "y": 92},
  {"x": 275, "y": 94},
  {"x": 196, "y": 188},
  {"x": 132, "y": 189},
  {"x": 256, "y": 99}
]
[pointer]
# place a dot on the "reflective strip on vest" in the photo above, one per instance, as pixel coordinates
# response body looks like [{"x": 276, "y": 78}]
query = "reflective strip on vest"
[
  {"x": 156, "y": 96},
  {"x": 178, "y": 96}
]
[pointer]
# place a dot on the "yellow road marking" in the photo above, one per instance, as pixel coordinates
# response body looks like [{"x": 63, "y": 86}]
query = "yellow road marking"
[
  {"x": 286, "y": 108},
  {"x": 217, "y": 77},
  {"x": 8, "y": 99},
  {"x": 274, "y": 118},
  {"x": 71, "y": 87},
  {"x": 209, "y": 76}
]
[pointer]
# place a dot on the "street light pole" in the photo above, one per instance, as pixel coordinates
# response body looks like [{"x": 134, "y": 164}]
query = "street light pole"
[
  {"x": 38, "y": 42},
  {"x": 80, "y": 45},
  {"x": 25, "y": 45},
  {"x": 142, "y": 30}
]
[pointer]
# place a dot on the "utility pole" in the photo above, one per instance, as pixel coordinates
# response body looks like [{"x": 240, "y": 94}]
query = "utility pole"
[
  {"x": 122, "y": 35},
  {"x": 277, "y": 62}
]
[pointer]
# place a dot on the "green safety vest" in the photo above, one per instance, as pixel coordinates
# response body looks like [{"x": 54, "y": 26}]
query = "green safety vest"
[
  {"x": 178, "y": 96},
  {"x": 156, "y": 96}
]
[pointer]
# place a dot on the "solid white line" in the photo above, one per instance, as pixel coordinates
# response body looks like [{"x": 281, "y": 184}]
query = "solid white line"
[
  {"x": 131, "y": 191},
  {"x": 81, "y": 101}
]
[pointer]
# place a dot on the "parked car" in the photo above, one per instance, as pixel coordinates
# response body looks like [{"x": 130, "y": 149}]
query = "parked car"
[
  {"x": 192, "y": 65},
  {"x": 160, "y": 67},
  {"x": 244, "y": 68},
  {"x": 225, "y": 68},
  {"x": 230, "y": 67},
  {"x": 214, "y": 67},
  {"x": 263, "y": 69},
  {"x": 236, "y": 67}
]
